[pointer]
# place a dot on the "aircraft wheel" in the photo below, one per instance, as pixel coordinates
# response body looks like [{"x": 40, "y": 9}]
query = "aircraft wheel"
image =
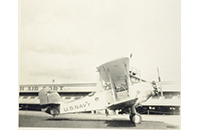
[
  {"x": 135, "y": 119},
  {"x": 54, "y": 111}
]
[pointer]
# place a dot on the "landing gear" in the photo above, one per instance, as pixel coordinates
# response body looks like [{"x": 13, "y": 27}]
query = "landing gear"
[{"x": 135, "y": 118}]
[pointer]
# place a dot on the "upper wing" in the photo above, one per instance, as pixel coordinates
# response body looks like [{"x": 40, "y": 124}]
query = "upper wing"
[
  {"x": 117, "y": 69},
  {"x": 114, "y": 76}
]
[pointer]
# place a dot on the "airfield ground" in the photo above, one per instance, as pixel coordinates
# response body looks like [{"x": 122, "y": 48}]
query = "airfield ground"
[{"x": 33, "y": 119}]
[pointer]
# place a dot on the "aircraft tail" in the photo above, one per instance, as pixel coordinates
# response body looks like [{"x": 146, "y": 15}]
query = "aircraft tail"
[{"x": 50, "y": 101}]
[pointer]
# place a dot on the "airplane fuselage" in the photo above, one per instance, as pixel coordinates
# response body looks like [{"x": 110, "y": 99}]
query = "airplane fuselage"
[{"x": 101, "y": 100}]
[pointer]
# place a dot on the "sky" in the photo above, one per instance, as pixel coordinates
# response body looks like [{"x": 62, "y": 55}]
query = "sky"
[{"x": 66, "y": 40}]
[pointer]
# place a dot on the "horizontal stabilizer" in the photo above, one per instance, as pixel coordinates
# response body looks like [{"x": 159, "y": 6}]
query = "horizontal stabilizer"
[{"x": 49, "y": 97}]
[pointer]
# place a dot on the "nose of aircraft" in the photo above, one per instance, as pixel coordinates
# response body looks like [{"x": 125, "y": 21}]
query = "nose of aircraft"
[
  {"x": 142, "y": 91},
  {"x": 144, "y": 97}
]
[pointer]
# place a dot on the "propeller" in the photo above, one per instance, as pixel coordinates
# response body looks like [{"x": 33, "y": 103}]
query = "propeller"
[
  {"x": 157, "y": 85},
  {"x": 159, "y": 82}
]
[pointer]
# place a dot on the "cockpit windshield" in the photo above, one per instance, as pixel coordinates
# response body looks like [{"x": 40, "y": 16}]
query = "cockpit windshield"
[
  {"x": 134, "y": 80},
  {"x": 134, "y": 76}
]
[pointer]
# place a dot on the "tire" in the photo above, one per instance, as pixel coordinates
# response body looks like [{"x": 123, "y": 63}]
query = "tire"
[
  {"x": 54, "y": 111},
  {"x": 135, "y": 119}
]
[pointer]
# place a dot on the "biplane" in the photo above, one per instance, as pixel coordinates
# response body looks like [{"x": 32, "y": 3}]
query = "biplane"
[{"x": 118, "y": 88}]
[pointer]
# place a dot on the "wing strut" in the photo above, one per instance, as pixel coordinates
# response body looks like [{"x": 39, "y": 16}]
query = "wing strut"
[
  {"x": 111, "y": 83},
  {"x": 127, "y": 79},
  {"x": 112, "y": 87}
]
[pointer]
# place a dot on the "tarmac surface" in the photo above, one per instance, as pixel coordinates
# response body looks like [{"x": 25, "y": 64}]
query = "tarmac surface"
[{"x": 35, "y": 119}]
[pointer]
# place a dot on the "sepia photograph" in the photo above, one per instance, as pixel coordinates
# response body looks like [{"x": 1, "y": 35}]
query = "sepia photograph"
[{"x": 109, "y": 64}]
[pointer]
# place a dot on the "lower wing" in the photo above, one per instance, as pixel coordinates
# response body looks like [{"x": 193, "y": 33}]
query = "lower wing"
[{"x": 122, "y": 104}]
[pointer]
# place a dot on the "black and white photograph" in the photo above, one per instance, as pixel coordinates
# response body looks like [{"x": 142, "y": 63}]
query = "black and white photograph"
[{"x": 109, "y": 64}]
